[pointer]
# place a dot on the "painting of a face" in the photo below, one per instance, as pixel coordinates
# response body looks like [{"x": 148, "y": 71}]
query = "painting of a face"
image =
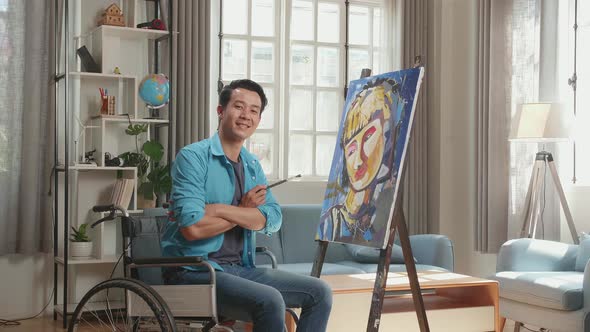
[
  {"x": 373, "y": 136},
  {"x": 363, "y": 154}
]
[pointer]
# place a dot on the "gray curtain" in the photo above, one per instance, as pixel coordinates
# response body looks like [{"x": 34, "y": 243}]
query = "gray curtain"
[
  {"x": 493, "y": 109},
  {"x": 189, "y": 115},
  {"x": 26, "y": 126},
  {"x": 413, "y": 42}
]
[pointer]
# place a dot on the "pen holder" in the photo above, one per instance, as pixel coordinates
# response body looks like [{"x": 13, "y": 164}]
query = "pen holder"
[{"x": 104, "y": 108}]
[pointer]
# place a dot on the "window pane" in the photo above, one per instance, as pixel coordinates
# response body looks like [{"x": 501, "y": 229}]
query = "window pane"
[
  {"x": 261, "y": 146},
  {"x": 358, "y": 59},
  {"x": 328, "y": 66},
  {"x": 358, "y": 32},
  {"x": 302, "y": 20},
  {"x": 376, "y": 27},
  {"x": 262, "y": 62},
  {"x": 583, "y": 100},
  {"x": 268, "y": 118},
  {"x": 234, "y": 20},
  {"x": 301, "y": 109},
  {"x": 324, "y": 153},
  {"x": 376, "y": 63},
  {"x": 328, "y": 22},
  {"x": 300, "y": 154},
  {"x": 263, "y": 18},
  {"x": 327, "y": 110},
  {"x": 302, "y": 64},
  {"x": 234, "y": 59}
]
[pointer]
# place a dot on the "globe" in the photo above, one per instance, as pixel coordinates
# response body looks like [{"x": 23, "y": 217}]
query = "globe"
[{"x": 154, "y": 90}]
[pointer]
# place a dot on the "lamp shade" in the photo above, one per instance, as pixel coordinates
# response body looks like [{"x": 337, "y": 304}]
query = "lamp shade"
[{"x": 540, "y": 122}]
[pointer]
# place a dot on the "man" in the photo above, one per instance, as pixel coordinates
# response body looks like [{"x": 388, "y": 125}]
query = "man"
[{"x": 219, "y": 199}]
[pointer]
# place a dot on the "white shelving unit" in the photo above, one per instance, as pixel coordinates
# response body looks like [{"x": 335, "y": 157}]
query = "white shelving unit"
[{"x": 84, "y": 129}]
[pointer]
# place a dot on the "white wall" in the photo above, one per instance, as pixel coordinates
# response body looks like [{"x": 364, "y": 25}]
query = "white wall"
[
  {"x": 26, "y": 283},
  {"x": 454, "y": 43}
]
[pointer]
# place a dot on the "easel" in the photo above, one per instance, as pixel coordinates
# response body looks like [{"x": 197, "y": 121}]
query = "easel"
[{"x": 398, "y": 223}]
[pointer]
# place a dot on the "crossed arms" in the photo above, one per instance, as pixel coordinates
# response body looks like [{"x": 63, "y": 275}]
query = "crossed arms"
[{"x": 220, "y": 218}]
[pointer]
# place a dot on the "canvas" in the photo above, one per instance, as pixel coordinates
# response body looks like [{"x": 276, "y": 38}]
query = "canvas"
[{"x": 369, "y": 155}]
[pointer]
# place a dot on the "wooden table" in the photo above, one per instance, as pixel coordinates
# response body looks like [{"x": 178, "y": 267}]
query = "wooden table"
[{"x": 453, "y": 302}]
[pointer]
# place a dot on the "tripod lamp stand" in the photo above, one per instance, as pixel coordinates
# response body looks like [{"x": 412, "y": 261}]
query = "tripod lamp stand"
[{"x": 541, "y": 123}]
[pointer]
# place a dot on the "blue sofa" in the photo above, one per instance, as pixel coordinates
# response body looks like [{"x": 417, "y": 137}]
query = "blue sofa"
[
  {"x": 545, "y": 284},
  {"x": 295, "y": 248}
]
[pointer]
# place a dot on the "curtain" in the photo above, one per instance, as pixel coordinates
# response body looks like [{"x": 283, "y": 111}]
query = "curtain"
[
  {"x": 516, "y": 64},
  {"x": 405, "y": 37},
  {"x": 189, "y": 114},
  {"x": 534, "y": 61},
  {"x": 26, "y": 126},
  {"x": 493, "y": 122}
]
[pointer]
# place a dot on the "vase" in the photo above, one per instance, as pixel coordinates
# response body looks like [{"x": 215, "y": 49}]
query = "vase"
[
  {"x": 80, "y": 250},
  {"x": 143, "y": 203}
]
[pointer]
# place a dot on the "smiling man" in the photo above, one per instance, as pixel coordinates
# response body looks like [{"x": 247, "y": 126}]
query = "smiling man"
[{"x": 219, "y": 199}]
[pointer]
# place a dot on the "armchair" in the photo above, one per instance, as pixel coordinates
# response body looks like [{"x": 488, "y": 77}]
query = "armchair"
[{"x": 545, "y": 284}]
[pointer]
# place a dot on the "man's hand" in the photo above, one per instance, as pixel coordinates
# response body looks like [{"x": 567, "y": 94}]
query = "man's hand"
[{"x": 255, "y": 197}]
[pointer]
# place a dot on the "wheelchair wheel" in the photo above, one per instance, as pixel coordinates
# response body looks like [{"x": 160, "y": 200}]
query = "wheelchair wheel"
[{"x": 122, "y": 305}]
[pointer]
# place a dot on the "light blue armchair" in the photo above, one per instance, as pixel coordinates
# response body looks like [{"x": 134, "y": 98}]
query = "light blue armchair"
[{"x": 545, "y": 284}]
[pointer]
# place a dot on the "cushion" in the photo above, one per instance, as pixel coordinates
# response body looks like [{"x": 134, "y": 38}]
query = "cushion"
[
  {"x": 327, "y": 268},
  {"x": 555, "y": 290},
  {"x": 364, "y": 254},
  {"x": 583, "y": 252}
]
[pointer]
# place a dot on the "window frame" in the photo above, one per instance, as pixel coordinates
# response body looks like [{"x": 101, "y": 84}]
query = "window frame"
[{"x": 282, "y": 76}]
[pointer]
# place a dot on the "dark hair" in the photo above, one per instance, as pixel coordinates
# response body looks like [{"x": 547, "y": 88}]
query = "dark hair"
[{"x": 225, "y": 94}]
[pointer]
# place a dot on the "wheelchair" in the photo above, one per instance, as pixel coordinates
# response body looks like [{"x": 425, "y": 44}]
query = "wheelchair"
[{"x": 141, "y": 301}]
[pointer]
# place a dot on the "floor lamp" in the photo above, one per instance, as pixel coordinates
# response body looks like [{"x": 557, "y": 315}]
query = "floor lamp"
[{"x": 541, "y": 123}]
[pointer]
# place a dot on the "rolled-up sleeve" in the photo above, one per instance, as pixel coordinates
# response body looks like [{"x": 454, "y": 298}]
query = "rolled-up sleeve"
[
  {"x": 189, "y": 172},
  {"x": 270, "y": 209}
]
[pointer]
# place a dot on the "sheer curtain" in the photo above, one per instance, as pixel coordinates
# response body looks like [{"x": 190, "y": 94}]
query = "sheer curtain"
[
  {"x": 517, "y": 64},
  {"x": 26, "y": 119},
  {"x": 534, "y": 67}
]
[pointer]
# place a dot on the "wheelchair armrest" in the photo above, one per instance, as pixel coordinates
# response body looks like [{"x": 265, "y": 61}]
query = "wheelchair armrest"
[
  {"x": 267, "y": 252},
  {"x": 172, "y": 262}
]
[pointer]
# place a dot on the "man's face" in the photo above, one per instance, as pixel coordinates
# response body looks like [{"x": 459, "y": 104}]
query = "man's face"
[{"x": 241, "y": 116}]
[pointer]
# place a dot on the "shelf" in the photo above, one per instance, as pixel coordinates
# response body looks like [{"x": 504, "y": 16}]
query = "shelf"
[
  {"x": 82, "y": 74},
  {"x": 104, "y": 260},
  {"x": 81, "y": 167},
  {"x": 126, "y": 32},
  {"x": 94, "y": 306},
  {"x": 125, "y": 119}
]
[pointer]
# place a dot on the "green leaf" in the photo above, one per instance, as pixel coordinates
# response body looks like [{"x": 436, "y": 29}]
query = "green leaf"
[
  {"x": 136, "y": 129},
  {"x": 154, "y": 150}
]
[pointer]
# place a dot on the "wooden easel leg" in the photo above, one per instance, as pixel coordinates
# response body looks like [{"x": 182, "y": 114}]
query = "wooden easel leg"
[
  {"x": 380, "y": 283},
  {"x": 318, "y": 262},
  {"x": 412, "y": 273}
]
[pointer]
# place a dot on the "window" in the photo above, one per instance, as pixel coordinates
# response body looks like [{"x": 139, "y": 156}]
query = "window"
[
  {"x": 582, "y": 119},
  {"x": 296, "y": 50}
]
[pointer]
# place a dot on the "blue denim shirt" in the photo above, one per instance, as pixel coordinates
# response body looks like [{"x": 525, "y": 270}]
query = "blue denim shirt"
[{"x": 202, "y": 174}]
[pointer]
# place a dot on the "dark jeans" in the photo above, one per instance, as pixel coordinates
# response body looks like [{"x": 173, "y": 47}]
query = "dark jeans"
[{"x": 260, "y": 295}]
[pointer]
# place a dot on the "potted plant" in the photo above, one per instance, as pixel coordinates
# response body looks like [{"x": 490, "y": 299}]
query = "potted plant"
[
  {"x": 81, "y": 245},
  {"x": 154, "y": 178}
]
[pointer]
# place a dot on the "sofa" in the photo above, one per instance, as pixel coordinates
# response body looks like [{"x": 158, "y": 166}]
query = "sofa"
[
  {"x": 545, "y": 284},
  {"x": 295, "y": 248}
]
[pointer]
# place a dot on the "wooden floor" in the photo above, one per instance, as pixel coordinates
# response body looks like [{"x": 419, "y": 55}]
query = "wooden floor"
[{"x": 47, "y": 324}]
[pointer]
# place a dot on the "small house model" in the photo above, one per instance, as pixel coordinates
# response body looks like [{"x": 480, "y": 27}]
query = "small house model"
[{"x": 112, "y": 16}]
